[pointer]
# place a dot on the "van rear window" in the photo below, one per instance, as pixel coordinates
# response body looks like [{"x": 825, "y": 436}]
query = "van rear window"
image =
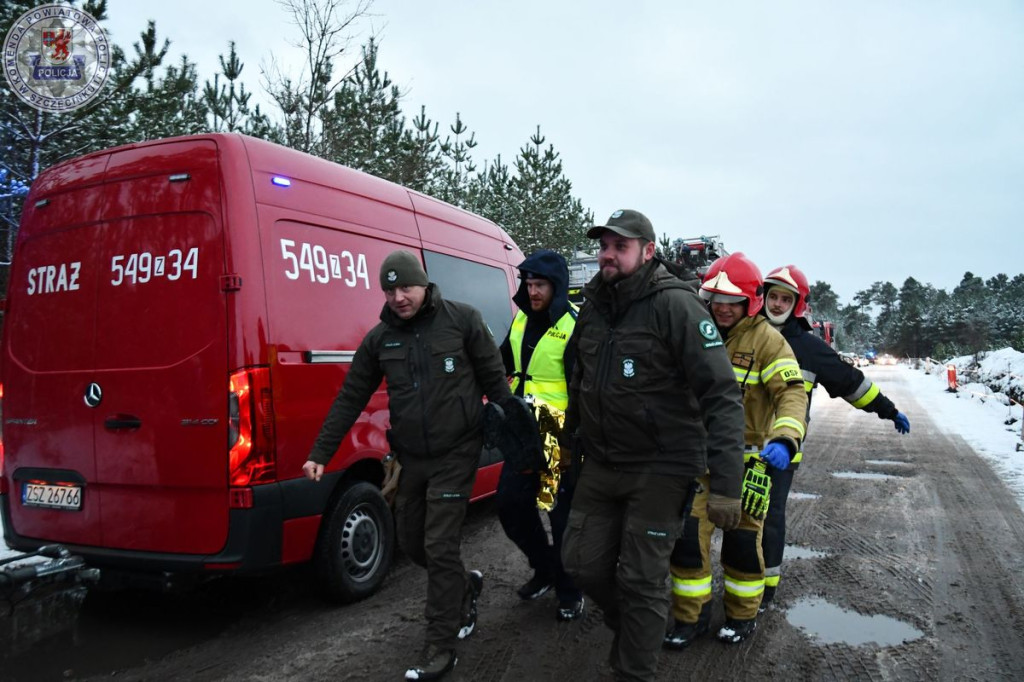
[{"x": 482, "y": 286}]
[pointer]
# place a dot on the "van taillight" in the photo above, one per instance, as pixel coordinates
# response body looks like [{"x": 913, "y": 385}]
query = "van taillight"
[
  {"x": 251, "y": 458},
  {"x": 3, "y": 478}
]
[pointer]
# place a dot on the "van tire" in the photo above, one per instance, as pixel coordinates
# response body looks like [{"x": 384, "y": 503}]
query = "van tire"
[{"x": 357, "y": 541}]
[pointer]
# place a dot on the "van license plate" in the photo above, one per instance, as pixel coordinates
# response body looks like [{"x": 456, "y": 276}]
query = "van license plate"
[{"x": 54, "y": 496}]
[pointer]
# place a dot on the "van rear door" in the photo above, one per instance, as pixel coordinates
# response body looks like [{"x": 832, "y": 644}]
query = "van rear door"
[{"x": 145, "y": 338}]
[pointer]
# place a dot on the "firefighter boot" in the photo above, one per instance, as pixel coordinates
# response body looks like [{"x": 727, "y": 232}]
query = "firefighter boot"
[
  {"x": 735, "y": 631},
  {"x": 767, "y": 598},
  {"x": 682, "y": 634}
]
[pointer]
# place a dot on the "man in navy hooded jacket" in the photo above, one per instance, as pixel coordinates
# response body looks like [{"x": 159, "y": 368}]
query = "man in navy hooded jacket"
[{"x": 537, "y": 357}]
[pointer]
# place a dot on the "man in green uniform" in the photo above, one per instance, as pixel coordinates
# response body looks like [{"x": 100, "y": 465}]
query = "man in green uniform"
[
  {"x": 656, "y": 405},
  {"x": 439, "y": 360}
]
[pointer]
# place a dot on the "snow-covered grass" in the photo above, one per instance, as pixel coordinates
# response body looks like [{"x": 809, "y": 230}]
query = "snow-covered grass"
[{"x": 982, "y": 410}]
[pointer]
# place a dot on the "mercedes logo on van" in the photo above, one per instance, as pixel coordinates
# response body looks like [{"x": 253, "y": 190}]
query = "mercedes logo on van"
[{"x": 93, "y": 394}]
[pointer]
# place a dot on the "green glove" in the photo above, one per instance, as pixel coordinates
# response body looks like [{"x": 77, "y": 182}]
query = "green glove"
[{"x": 756, "y": 486}]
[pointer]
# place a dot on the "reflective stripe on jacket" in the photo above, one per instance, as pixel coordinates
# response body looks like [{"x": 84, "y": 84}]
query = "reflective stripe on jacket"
[{"x": 774, "y": 400}]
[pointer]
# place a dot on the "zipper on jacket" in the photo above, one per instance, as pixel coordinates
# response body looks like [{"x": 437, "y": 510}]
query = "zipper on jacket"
[{"x": 417, "y": 384}]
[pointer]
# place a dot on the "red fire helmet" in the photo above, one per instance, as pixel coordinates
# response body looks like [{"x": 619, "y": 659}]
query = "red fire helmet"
[{"x": 732, "y": 279}]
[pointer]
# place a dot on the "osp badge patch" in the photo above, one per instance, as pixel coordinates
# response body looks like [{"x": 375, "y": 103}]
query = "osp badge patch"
[
  {"x": 392, "y": 276},
  {"x": 628, "y": 368},
  {"x": 449, "y": 365},
  {"x": 709, "y": 331}
]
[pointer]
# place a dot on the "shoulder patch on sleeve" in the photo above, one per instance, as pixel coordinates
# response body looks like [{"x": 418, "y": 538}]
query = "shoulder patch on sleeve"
[
  {"x": 709, "y": 331},
  {"x": 791, "y": 374}
]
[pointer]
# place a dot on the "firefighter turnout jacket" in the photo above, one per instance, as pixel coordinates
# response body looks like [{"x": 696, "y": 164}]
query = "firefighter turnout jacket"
[
  {"x": 775, "y": 405},
  {"x": 768, "y": 374}
]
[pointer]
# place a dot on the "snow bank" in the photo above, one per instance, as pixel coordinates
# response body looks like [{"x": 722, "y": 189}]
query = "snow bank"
[{"x": 998, "y": 371}]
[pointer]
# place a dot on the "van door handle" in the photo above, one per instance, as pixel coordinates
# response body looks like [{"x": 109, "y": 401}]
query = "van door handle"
[{"x": 123, "y": 421}]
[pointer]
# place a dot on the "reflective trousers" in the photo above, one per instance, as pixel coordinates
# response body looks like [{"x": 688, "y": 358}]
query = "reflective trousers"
[
  {"x": 622, "y": 526},
  {"x": 430, "y": 508},
  {"x": 742, "y": 565}
]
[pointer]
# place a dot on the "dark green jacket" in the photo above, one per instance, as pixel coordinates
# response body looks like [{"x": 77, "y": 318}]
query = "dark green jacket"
[
  {"x": 438, "y": 366},
  {"x": 653, "y": 389}
]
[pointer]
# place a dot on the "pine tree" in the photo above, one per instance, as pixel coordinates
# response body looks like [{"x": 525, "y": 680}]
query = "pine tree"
[
  {"x": 454, "y": 179},
  {"x": 549, "y": 216},
  {"x": 824, "y": 302},
  {"x": 325, "y": 27},
  {"x": 227, "y": 102}
]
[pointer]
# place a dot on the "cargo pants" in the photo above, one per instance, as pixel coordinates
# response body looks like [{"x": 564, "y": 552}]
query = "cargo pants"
[
  {"x": 622, "y": 527},
  {"x": 742, "y": 565},
  {"x": 430, "y": 508}
]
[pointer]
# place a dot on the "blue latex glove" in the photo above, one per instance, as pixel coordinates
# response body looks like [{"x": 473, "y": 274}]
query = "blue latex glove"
[
  {"x": 777, "y": 455},
  {"x": 902, "y": 423}
]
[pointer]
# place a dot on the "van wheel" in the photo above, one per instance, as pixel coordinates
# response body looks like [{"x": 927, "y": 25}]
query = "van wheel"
[{"x": 357, "y": 541}]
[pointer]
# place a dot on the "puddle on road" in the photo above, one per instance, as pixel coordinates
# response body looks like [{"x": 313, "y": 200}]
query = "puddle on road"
[
  {"x": 798, "y": 552},
  {"x": 828, "y": 624},
  {"x": 803, "y": 496},
  {"x": 888, "y": 462},
  {"x": 866, "y": 475}
]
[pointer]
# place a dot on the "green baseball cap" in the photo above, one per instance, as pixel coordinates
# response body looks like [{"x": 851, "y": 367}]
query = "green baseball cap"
[{"x": 628, "y": 223}]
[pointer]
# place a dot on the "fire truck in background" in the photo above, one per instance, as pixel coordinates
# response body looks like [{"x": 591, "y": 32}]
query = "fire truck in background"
[
  {"x": 827, "y": 331},
  {"x": 694, "y": 254}
]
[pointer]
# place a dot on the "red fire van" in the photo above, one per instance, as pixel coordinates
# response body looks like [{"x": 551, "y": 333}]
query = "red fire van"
[{"x": 180, "y": 316}]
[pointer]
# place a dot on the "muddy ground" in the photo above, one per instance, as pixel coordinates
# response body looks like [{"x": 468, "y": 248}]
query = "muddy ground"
[{"x": 936, "y": 545}]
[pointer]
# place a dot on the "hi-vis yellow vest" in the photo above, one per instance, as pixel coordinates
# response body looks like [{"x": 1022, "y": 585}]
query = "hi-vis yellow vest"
[{"x": 546, "y": 372}]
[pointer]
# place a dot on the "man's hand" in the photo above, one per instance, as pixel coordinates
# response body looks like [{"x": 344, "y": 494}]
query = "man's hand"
[
  {"x": 756, "y": 486},
  {"x": 389, "y": 486},
  {"x": 776, "y": 454},
  {"x": 564, "y": 458},
  {"x": 312, "y": 470},
  {"x": 901, "y": 422},
  {"x": 724, "y": 511}
]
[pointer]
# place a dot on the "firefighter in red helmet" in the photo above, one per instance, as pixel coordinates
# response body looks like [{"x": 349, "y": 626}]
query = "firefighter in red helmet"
[
  {"x": 787, "y": 297},
  {"x": 774, "y": 405}
]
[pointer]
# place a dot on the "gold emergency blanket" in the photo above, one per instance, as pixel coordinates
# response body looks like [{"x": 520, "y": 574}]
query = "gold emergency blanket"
[{"x": 550, "y": 420}]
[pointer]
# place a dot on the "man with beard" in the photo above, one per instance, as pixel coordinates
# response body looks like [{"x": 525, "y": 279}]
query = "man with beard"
[
  {"x": 656, "y": 405},
  {"x": 538, "y": 358}
]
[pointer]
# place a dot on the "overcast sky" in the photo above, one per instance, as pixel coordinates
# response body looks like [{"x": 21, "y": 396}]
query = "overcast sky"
[{"x": 864, "y": 141}]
